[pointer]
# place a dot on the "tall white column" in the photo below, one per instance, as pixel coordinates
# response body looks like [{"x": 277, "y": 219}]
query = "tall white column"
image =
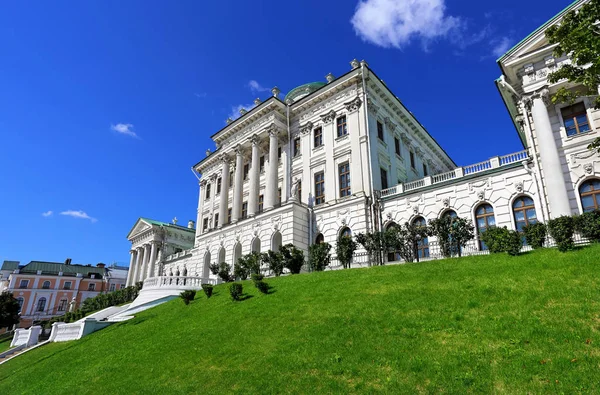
[
  {"x": 238, "y": 185},
  {"x": 555, "y": 180},
  {"x": 202, "y": 186},
  {"x": 254, "y": 177},
  {"x": 224, "y": 204},
  {"x": 131, "y": 266},
  {"x": 138, "y": 263},
  {"x": 271, "y": 181},
  {"x": 152, "y": 258},
  {"x": 144, "y": 268},
  {"x": 329, "y": 136}
]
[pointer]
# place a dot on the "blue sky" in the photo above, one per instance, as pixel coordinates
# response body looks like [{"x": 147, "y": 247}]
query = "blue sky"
[{"x": 106, "y": 105}]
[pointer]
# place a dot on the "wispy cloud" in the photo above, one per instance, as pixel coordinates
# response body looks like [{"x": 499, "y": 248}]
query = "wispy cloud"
[
  {"x": 47, "y": 213},
  {"x": 255, "y": 87},
  {"x": 395, "y": 23},
  {"x": 235, "y": 110},
  {"x": 124, "y": 128},
  {"x": 78, "y": 214},
  {"x": 200, "y": 95},
  {"x": 500, "y": 46}
]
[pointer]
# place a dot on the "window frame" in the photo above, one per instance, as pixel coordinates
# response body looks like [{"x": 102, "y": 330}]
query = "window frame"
[
  {"x": 21, "y": 286},
  {"x": 397, "y": 147},
  {"x": 297, "y": 147},
  {"x": 205, "y": 224},
  {"x": 68, "y": 285},
  {"x": 216, "y": 220},
  {"x": 413, "y": 161},
  {"x": 385, "y": 185},
  {"x": 344, "y": 186},
  {"x": 594, "y": 193},
  {"x": 319, "y": 179},
  {"x": 39, "y": 306},
  {"x": 341, "y": 123},
  {"x": 44, "y": 285},
  {"x": 218, "y": 189},
  {"x": 523, "y": 208},
  {"x": 207, "y": 191},
  {"x": 91, "y": 287},
  {"x": 318, "y": 137},
  {"x": 380, "y": 132},
  {"x": 573, "y": 117},
  {"x": 485, "y": 216},
  {"x": 261, "y": 203},
  {"x": 62, "y": 305},
  {"x": 245, "y": 210}
]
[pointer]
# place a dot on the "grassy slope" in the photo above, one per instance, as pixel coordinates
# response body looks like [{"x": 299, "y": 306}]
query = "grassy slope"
[{"x": 481, "y": 324}]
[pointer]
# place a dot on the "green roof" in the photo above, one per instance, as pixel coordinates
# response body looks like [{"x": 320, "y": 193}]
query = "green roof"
[
  {"x": 303, "y": 90},
  {"x": 160, "y": 223},
  {"x": 55, "y": 268},
  {"x": 10, "y": 265}
]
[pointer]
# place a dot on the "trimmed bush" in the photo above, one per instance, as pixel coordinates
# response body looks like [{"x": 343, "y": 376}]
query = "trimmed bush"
[
  {"x": 561, "y": 229},
  {"x": 222, "y": 270},
  {"x": 187, "y": 296},
  {"x": 293, "y": 258},
  {"x": 588, "y": 225},
  {"x": 236, "y": 290},
  {"x": 513, "y": 243},
  {"x": 319, "y": 256},
  {"x": 256, "y": 277},
  {"x": 496, "y": 239},
  {"x": 208, "y": 290},
  {"x": 535, "y": 234},
  {"x": 262, "y": 286}
]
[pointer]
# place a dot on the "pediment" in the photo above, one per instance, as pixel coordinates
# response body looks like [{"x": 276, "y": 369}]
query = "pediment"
[{"x": 139, "y": 227}]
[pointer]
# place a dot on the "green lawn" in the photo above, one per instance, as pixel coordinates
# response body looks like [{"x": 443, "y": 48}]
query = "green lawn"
[
  {"x": 527, "y": 324},
  {"x": 5, "y": 343}
]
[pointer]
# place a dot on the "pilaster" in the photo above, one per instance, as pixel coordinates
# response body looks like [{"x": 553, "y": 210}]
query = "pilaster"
[
  {"x": 254, "y": 177},
  {"x": 238, "y": 185}
]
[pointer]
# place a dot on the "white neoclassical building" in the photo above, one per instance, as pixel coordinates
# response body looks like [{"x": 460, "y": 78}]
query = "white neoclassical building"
[{"x": 346, "y": 156}]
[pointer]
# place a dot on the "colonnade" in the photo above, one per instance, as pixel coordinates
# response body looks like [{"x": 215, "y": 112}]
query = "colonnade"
[{"x": 143, "y": 262}]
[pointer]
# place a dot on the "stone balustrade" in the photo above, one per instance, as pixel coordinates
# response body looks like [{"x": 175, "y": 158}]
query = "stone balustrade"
[
  {"x": 459, "y": 172},
  {"x": 177, "y": 282}
]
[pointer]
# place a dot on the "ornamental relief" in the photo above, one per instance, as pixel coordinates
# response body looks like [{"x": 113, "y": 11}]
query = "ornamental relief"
[
  {"x": 328, "y": 104},
  {"x": 254, "y": 127}
]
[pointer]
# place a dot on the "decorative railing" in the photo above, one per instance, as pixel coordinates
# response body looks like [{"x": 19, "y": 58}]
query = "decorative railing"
[
  {"x": 178, "y": 282},
  {"x": 457, "y": 173}
]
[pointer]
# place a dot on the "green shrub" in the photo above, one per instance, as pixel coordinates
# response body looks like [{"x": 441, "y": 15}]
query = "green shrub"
[
  {"x": 187, "y": 296},
  {"x": 235, "y": 290},
  {"x": 344, "y": 249},
  {"x": 561, "y": 229},
  {"x": 262, "y": 286},
  {"x": 535, "y": 234},
  {"x": 208, "y": 290},
  {"x": 588, "y": 225},
  {"x": 222, "y": 270},
  {"x": 496, "y": 239},
  {"x": 319, "y": 256},
  {"x": 256, "y": 277},
  {"x": 513, "y": 243},
  {"x": 274, "y": 261},
  {"x": 293, "y": 258}
]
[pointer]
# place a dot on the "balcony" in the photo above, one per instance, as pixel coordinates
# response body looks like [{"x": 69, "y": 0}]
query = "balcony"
[{"x": 459, "y": 172}]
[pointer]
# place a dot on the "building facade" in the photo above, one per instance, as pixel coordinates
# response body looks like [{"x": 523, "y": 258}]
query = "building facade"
[
  {"x": 345, "y": 156},
  {"x": 48, "y": 289}
]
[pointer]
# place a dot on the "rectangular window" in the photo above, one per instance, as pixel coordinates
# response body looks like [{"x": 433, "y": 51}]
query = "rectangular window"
[
  {"x": 384, "y": 178},
  {"x": 397, "y": 146},
  {"x": 279, "y": 192},
  {"x": 318, "y": 137},
  {"x": 261, "y": 203},
  {"x": 344, "y": 177},
  {"x": 412, "y": 159},
  {"x": 67, "y": 285},
  {"x": 219, "y": 185},
  {"x": 229, "y": 216},
  {"x": 261, "y": 165},
  {"x": 380, "y": 131},
  {"x": 91, "y": 287},
  {"x": 230, "y": 179},
  {"x": 244, "y": 210},
  {"x": 575, "y": 119},
  {"x": 246, "y": 171},
  {"x": 296, "y": 147},
  {"x": 207, "y": 194},
  {"x": 113, "y": 287},
  {"x": 62, "y": 306},
  {"x": 216, "y": 220},
  {"x": 24, "y": 284},
  {"x": 279, "y": 154},
  {"x": 425, "y": 172},
  {"x": 342, "y": 128},
  {"x": 320, "y": 188},
  {"x": 205, "y": 224}
]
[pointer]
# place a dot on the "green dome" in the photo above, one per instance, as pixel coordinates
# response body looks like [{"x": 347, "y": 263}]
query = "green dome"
[{"x": 303, "y": 90}]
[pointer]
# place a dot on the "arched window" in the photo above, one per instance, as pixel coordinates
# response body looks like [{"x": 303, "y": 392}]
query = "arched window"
[
  {"x": 255, "y": 245},
  {"x": 206, "y": 266},
  {"x": 221, "y": 255},
  {"x": 319, "y": 239},
  {"x": 276, "y": 241},
  {"x": 346, "y": 232},
  {"x": 484, "y": 217},
  {"x": 589, "y": 193},
  {"x": 21, "y": 301},
  {"x": 237, "y": 253},
  {"x": 41, "y": 304},
  {"x": 524, "y": 212},
  {"x": 450, "y": 213},
  {"x": 46, "y": 285},
  {"x": 423, "y": 244}
]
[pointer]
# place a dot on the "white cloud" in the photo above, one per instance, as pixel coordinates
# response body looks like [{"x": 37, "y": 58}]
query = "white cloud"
[
  {"x": 47, "y": 213},
  {"x": 235, "y": 110},
  {"x": 500, "y": 46},
  {"x": 395, "y": 23},
  {"x": 78, "y": 214},
  {"x": 200, "y": 95},
  {"x": 255, "y": 87},
  {"x": 124, "y": 128}
]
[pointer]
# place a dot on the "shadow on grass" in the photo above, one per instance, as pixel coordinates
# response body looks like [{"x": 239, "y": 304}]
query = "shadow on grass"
[{"x": 245, "y": 297}]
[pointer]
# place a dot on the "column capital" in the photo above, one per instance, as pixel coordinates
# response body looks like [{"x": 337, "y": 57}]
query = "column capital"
[
  {"x": 389, "y": 124},
  {"x": 329, "y": 117},
  {"x": 353, "y": 105},
  {"x": 272, "y": 131},
  {"x": 224, "y": 158},
  {"x": 239, "y": 150},
  {"x": 140, "y": 248},
  {"x": 542, "y": 93},
  {"x": 306, "y": 128},
  {"x": 255, "y": 140},
  {"x": 405, "y": 139},
  {"x": 132, "y": 251}
]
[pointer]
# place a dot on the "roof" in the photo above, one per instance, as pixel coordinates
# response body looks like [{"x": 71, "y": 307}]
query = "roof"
[
  {"x": 55, "y": 268},
  {"x": 10, "y": 265},
  {"x": 160, "y": 223},
  {"x": 303, "y": 90}
]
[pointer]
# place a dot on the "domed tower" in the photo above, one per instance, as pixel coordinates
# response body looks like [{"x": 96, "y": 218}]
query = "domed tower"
[{"x": 302, "y": 91}]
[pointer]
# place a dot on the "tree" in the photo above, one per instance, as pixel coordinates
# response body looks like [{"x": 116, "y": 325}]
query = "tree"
[
  {"x": 221, "y": 270},
  {"x": 344, "y": 250},
  {"x": 9, "y": 310},
  {"x": 461, "y": 233},
  {"x": 293, "y": 258},
  {"x": 319, "y": 256},
  {"x": 374, "y": 243},
  {"x": 247, "y": 265},
  {"x": 578, "y": 35},
  {"x": 274, "y": 261},
  {"x": 404, "y": 239},
  {"x": 452, "y": 233}
]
